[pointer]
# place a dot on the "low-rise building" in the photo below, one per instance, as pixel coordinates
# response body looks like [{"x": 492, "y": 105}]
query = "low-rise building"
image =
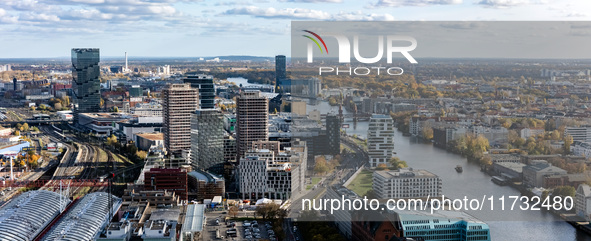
[
  {"x": 171, "y": 179},
  {"x": 146, "y": 141},
  {"x": 368, "y": 225},
  {"x": 583, "y": 202},
  {"x": 581, "y": 149},
  {"x": 510, "y": 170},
  {"x": 154, "y": 198},
  {"x": 162, "y": 225},
  {"x": 101, "y": 124},
  {"x": 204, "y": 185},
  {"x": 528, "y": 132},
  {"x": 534, "y": 174},
  {"x": 573, "y": 180},
  {"x": 406, "y": 183}
]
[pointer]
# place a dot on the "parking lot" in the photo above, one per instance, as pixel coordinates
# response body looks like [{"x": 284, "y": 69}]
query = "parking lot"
[{"x": 236, "y": 230}]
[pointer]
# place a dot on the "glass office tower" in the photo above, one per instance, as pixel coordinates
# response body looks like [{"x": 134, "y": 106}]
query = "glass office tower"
[{"x": 85, "y": 79}]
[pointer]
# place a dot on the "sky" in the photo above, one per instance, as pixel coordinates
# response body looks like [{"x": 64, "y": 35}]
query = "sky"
[{"x": 196, "y": 28}]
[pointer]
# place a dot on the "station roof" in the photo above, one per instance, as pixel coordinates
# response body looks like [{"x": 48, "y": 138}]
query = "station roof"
[
  {"x": 25, "y": 216},
  {"x": 85, "y": 219}
]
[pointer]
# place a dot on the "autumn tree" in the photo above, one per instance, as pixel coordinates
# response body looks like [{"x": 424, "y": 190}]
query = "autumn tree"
[
  {"x": 112, "y": 140},
  {"x": 233, "y": 211},
  {"x": 427, "y": 133},
  {"x": 320, "y": 166},
  {"x": 564, "y": 191},
  {"x": 568, "y": 140},
  {"x": 267, "y": 210},
  {"x": 396, "y": 163}
]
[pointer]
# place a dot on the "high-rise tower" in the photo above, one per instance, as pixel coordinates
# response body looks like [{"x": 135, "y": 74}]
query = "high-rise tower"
[
  {"x": 280, "y": 72},
  {"x": 179, "y": 102},
  {"x": 85, "y": 79},
  {"x": 204, "y": 83},
  {"x": 252, "y": 117}
]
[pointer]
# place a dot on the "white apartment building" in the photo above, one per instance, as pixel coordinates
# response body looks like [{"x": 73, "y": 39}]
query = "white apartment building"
[
  {"x": 264, "y": 174},
  {"x": 380, "y": 139},
  {"x": 582, "y": 134},
  {"x": 406, "y": 183}
]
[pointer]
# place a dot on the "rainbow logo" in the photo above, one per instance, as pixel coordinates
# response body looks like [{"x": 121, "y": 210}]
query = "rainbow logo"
[{"x": 319, "y": 38}]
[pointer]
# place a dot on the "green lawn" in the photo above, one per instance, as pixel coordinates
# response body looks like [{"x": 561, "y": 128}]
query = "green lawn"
[
  {"x": 362, "y": 183},
  {"x": 315, "y": 180}
]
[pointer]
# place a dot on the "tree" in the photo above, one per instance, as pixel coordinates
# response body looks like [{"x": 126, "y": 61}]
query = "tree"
[
  {"x": 24, "y": 127},
  {"x": 506, "y": 123},
  {"x": 320, "y": 165},
  {"x": 112, "y": 140},
  {"x": 568, "y": 140},
  {"x": 267, "y": 211},
  {"x": 564, "y": 191},
  {"x": 427, "y": 133},
  {"x": 141, "y": 154},
  {"x": 382, "y": 166},
  {"x": 233, "y": 211},
  {"x": 396, "y": 163},
  {"x": 66, "y": 100},
  {"x": 555, "y": 135}
]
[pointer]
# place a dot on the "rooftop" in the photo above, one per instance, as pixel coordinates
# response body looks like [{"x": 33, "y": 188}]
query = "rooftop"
[
  {"x": 34, "y": 208},
  {"x": 195, "y": 218},
  {"x": 85, "y": 219},
  {"x": 152, "y": 136},
  {"x": 405, "y": 173}
]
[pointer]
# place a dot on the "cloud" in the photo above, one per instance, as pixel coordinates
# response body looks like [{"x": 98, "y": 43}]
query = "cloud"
[
  {"x": 286, "y": 13},
  {"x": 42, "y": 17},
  {"x": 508, "y": 3},
  {"x": 5, "y": 18},
  {"x": 575, "y": 14},
  {"x": 312, "y": 1},
  {"x": 301, "y": 13},
  {"x": 403, "y": 3},
  {"x": 359, "y": 16},
  {"x": 231, "y": 3}
]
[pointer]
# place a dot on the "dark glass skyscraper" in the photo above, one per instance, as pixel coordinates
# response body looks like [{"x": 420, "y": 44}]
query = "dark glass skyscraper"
[
  {"x": 85, "y": 79},
  {"x": 204, "y": 83},
  {"x": 333, "y": 133},
  {"x": 280, "y": 72},
  {"x": 207, "y": 141}
]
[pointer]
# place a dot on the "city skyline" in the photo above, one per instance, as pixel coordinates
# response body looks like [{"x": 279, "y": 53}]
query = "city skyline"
[{"x": 49, "y": 28}]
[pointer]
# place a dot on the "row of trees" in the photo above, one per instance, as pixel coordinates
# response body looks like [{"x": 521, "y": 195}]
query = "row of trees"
[
  {"x": 129, "y": 150},
  {"x": 322, "y": 166},
  {"x": 402, "y": 120},
  {"x": 395, "y": 164},
  {"x": 472, "y": 147}
]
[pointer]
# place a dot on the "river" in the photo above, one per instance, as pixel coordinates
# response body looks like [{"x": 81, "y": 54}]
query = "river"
[{"x": 504, "y": 225}]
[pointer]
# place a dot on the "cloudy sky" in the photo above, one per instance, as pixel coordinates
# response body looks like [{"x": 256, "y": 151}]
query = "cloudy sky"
[{"x": 50, "y": 28}]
